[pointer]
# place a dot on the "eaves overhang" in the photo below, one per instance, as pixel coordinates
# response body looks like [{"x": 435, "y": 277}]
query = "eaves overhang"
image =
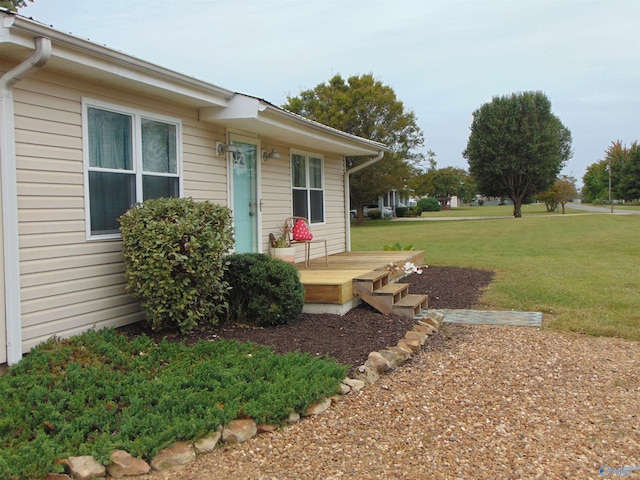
[
  {"x": 244, "y": 112},
  {"x": 91, "y": 61}
]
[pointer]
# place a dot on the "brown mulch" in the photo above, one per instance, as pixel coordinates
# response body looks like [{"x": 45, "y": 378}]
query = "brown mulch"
[{"x": 350, "y": 338}]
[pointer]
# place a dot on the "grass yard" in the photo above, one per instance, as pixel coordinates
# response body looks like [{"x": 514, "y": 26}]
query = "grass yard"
[
  {"x": 494, "y": 211},
  {"x": 581, "y": 271},
  {"x": 626, "y": 207},
  {"x": 488, "y": 211}
]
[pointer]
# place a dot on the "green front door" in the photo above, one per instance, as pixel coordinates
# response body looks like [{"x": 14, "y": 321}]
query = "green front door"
[{"x": 245, "y": 207}]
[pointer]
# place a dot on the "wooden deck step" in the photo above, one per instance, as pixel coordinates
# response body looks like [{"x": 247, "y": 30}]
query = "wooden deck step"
[
  {"x": 411, "y": 305},
  {"x": 390, "y": 294},
  {"x": 373, "y": 280},
  {"x": 395, "y": 291}
]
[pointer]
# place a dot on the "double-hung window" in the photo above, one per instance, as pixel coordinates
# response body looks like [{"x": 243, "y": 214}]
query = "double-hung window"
[
  {"x": 307, "y": 186},
  {"x": 130, "y": 157}
]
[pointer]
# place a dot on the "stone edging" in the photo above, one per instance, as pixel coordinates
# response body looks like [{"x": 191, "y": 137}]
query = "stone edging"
[{"x": 182, "y": 453}]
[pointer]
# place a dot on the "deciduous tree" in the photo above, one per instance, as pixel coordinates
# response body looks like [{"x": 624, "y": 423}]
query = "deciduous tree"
[
  {"x": 517, "y": 147},
  {"x": 367, "y": 108},
  {"x": 562, "y": 192},
  {"x": 625, "y": 174},
  {"x": 447, "y": 181},
  {"x": 628, "y": 180},
  {"x": 14, "y": 5},
  {"x": 596, "y": 183}
]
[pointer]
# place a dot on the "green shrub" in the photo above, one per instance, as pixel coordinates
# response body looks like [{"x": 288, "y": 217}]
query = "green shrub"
[
  {"x": 407, "y": 212},
  {"x": 397, "y": 247},
  {"x": 263, "y": 291},
  {"x": 374, "y": 214},
  {"x": 174, "y": 254},
  {"x": 429, "y": 205},
  {"x": 402, "y": 212}
]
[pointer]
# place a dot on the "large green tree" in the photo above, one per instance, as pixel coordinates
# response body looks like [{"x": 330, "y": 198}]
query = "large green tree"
[
  {"x": 13, "y": 5},
  {"x": 517, "y": 147},
  {"x": 364, "y": 106},
  {"x": 628, "y": 177},
  {"x": 447, "y": 181},
  {"x": 625, "y": 174},
  {"x": 596, "y": 183}
]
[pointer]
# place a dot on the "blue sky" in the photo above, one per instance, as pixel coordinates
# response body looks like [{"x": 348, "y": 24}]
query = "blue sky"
[{"x": 443, "y": 58}]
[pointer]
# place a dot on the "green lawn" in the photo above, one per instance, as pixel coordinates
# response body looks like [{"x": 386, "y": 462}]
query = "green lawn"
[
  {"x": 496, "y": 211},
  {"x": 623, "y": 208},
  {"x": 581, "y": 271}
]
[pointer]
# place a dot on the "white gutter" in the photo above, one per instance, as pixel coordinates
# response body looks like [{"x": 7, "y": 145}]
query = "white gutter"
[
  {"x": 10, "y": 240},
  {"x": 126, "y": 66},
  {"x": 347, "y": 199}
]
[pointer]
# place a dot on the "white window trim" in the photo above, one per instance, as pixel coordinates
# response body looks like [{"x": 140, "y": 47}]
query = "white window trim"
[
  {"x": 308, "y": 156},
  {"x": 137, "y": 154}
]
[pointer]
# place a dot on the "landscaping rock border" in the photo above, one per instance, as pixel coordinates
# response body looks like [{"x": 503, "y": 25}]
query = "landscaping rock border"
[{"x": 377, "y": 364}]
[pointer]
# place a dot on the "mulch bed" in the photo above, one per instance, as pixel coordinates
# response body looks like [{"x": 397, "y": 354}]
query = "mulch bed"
[{"x": 351, "y": 337}]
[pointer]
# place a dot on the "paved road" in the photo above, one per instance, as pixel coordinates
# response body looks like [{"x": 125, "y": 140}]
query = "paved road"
[{"x": 591, "y": 208}]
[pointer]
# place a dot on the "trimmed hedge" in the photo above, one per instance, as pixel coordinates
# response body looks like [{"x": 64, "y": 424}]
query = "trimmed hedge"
[
  {"x": 408, "y": 212},
  {"x": 263, "y": 291},
  {"x": 174, "y": 254},
  {"x": 429, "y": 205},
  {"x": 374, "y": 214}
]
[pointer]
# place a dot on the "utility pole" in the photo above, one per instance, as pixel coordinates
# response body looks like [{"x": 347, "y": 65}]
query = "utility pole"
[{"x": 610, "y": 195}]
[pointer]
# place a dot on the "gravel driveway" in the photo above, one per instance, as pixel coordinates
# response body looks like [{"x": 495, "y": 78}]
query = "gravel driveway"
[{"x": 481, "y": 402}]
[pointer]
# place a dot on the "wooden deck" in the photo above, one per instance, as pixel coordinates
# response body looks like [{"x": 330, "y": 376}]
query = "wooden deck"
[{"x": 329, "y": 289}]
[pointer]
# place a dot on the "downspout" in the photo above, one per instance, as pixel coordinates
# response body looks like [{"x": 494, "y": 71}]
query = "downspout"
[
  {"x": 347, "y": 199},
  {"x": 9, "y": 187}
]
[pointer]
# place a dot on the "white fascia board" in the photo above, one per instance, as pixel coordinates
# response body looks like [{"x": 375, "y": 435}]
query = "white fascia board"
[
  {"x": 85, "y": 58},
  {"x": 255, "y": 115},
  {"x": 240, "y": 107}
]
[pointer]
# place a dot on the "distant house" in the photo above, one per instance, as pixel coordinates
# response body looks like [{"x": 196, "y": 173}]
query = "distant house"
[{"x": 86, "y": 131}]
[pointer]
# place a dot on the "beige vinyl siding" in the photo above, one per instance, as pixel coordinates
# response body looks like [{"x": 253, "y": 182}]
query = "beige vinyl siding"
[
  {"x": 105, "y": 312},
  {"x": 275, "y": 190},
  {"x": 205, "y": 176},
  {"x": 68, "y": 283},
  {"x": 68, "y": 280},
  {"x": 335, "y": 228},
  {"x": 277, "y": 202}
]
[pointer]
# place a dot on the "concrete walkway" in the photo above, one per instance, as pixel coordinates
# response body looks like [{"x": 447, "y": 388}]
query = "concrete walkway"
[{"x": 492, "y": 317}]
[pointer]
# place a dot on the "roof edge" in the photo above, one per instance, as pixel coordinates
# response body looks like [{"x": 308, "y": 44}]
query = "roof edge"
[{"x": 37, "y": 29}]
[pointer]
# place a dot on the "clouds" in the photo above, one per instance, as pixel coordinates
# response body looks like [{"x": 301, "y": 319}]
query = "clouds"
[{"x": 443, "y": 58}]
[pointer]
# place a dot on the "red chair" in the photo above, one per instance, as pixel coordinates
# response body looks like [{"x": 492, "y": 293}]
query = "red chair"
[{"x": 297, "y": 228}]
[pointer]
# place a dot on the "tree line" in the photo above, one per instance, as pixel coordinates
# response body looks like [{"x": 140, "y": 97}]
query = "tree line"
[
  {"x": 516, "y": 147},
  {"x": 617, "y": 175}
]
